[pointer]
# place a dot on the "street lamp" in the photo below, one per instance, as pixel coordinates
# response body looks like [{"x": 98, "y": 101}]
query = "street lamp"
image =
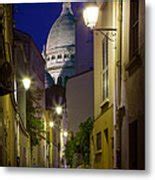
[
  {"x": 26, "y": 83},
  {"x": 58, "y": 110},
  {"x": 90, "y": 16},
  {"x": 51, "y": 124},
  {"x": 65, "y": 133}
]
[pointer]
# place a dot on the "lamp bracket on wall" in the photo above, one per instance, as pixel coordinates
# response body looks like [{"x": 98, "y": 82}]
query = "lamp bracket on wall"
[{"x": 110, "y": 33}]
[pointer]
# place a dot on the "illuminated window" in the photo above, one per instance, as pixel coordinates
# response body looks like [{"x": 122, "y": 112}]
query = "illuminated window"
[{"x": 105, "y": 68}]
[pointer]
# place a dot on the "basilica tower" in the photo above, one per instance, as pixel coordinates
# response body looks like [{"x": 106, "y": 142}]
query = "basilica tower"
[{"x": 59, "y": 51}]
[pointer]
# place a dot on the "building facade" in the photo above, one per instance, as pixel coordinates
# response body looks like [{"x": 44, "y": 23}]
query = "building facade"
[
  {"x": 132, "y": 120},
  {"x": 102, "y": 139},
  {"x": 59, "y": 51},
  {"x": 117, "y": 139},
  {"x": 79, "y": 95},
  {"x": 35, "y": 96},
  {"x": 22, "y": 137},
  {"x": 7, "y": 108},
  {"x": 14, "y": 140}
]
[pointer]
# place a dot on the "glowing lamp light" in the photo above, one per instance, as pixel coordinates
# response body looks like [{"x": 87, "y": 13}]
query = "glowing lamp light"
[
  {"x": 90, "y": 15},
  {"x": 26, "y": 82},
  {"x": 58, "y": 110},
  {"x": 65, "y": 133},
  {"x": 51, "y": 124}
]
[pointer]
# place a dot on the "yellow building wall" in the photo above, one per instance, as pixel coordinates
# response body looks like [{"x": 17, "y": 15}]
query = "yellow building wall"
[
  {"x": 134, "y": 87},
  {"x": 104, "y": 111},
  {"x": 5, "y": 101},
  {"x": 103, "y": 159},
  {"x": 49, "y": 133},
  {"x": 24, "y": 148},
  {"x": 106, "y": 19},
  {"x": 8, "y": 130}
]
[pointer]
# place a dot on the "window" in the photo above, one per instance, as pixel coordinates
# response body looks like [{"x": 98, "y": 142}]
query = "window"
[
  {"x": 59, "y": 56},
  {"x": 99, "y": 141},
  {"x": 106, "y": 135},
  {"x": 53, "y": 57},
  {"x": 98, "y": 157},
  {"x": 66, "y": 56},
  {"x": 134, "y": 27},
  {"x": 105, "y": 68}
]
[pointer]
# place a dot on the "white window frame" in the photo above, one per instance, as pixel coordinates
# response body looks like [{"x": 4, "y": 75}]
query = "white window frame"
[{"x": 105, "y": 70}]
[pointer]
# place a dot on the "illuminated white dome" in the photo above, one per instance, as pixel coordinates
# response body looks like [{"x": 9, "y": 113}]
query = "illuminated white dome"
[
  {"x": 60, "y": 47},
  {"x": 62, "y": 32}
]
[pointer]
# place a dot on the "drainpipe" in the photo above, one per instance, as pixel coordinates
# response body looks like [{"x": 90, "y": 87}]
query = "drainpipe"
[{"x": 119, "y": 109}]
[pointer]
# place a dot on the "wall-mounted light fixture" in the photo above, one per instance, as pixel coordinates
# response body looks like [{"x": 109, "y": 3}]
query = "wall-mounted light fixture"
[
  {"x": 26, "y": 83},
  {"x": 90, "y": 16},
  {"x": 58, "y": 110},
  {"x": 51, "y": 124},
  {"x": 65, "y": 133}
]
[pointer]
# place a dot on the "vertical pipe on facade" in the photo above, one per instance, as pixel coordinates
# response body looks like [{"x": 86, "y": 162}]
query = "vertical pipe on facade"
[
  {"x": 120, "y": 22},
  {"x": 120, "y": 75},
  {"x": 114, "y": 93},
  {"x": 117, "y": 104}
]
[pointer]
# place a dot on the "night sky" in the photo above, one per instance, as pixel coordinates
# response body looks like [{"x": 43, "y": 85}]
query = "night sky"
[{"x": 36, "y": 19}]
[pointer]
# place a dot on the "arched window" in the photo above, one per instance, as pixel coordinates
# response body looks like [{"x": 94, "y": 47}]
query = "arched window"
[
  {"x": 59, "y": 56},
  {"x": 53, "y": 57},
  {"x": 66, "y": 56}
]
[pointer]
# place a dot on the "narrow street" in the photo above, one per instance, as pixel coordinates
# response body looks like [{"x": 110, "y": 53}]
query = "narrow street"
[{"x": 72, "y": 85}]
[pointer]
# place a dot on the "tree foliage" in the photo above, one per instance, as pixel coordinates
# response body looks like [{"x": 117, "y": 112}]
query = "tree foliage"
[
  {"x": 78, "y": 147},
  {"x": 35, "y": 124}
]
